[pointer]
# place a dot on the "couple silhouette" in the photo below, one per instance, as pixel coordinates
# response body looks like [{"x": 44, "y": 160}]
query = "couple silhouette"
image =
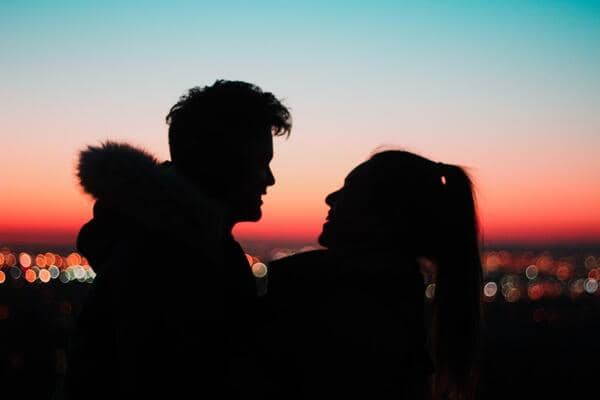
[{"x": 174, "y": 309}]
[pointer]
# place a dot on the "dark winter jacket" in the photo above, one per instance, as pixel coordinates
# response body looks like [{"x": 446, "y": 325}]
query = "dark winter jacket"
[{"x": 172, "y": 307}]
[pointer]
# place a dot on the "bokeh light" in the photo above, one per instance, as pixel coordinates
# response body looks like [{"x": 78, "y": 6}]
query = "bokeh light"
[
  {"x": 50, "y": 258},
  {"x": 54, "y": 271},
  {"x": 89, "y": 274},
  {"x": 590, "y": 285},
  {"x": 516, "y": 275},
  {"x": 10, "y": 260},
  {"x": 535, "y": 291},
  {"x": 30, "y": 276},
  {"x": 15, "y": 273},
  {"x": 73, "y": 259},
  {"x": 545, "y": 263},
  {"x": 24, "y": 260},
  {"x": 63, "y": 276},
  {"x": 577, "y": 287},
  {"x": 2, "y": 277},
  {"x": 563, "y": 272},
  {"x": 552, "y": 288},
  {"x": 259, "y": 270},
  {"x": 507, "y": 284},
  {"x": 430, "y": 291},
  {"x": 40, "y": 260},
  {"x": 490, "y": 289},
  {"x": 79, "y": 272},
  {"x": 70, "y": 274},
  {"x": 513, "y": 295},
  {"x": 531, "y": 272},
  {"x": 591, "y": 262},
  {"x": 44, "y": 275},
  {"x": 492, "y": 261}
]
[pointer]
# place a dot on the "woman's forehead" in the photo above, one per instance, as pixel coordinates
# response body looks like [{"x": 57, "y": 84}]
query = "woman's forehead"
[{"x": 358, "y": 174}]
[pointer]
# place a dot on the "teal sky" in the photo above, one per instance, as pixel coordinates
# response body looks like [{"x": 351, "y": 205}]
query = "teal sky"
[{"x": 509, "y": 88}]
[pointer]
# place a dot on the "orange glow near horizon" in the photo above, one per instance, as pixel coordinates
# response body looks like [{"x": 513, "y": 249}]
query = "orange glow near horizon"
[
  {"x": 525, "y": 227},
  {"x": 561, "y": 217},
  {"x": 530, "y": 200}
]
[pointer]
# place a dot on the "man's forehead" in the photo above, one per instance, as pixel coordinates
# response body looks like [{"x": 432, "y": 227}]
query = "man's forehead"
[{"x": 259, "y": 146}]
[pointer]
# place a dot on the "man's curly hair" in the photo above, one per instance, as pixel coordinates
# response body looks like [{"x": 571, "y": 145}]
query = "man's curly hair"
[{"x": 226, "y": 113}]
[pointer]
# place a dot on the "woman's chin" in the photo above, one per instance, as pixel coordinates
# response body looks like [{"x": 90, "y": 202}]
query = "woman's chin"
[{"x": 325, "y": 236}]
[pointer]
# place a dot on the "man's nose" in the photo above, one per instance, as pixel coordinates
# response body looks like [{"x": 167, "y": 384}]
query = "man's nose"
[{"x": 269, "y": 177}]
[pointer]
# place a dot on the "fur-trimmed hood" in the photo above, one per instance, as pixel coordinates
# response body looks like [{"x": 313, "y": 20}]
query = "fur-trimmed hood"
[{"x": 132, "y": 183}]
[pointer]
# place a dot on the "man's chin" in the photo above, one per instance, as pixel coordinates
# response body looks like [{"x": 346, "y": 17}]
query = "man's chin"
[{"x": 251, "y": 216}]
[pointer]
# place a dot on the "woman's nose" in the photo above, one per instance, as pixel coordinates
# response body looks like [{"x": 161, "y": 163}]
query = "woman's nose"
[{"x": 331, "y": 198}]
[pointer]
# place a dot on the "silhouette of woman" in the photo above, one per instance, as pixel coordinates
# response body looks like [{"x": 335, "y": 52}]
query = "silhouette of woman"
[{"x": 350, "y": 320}]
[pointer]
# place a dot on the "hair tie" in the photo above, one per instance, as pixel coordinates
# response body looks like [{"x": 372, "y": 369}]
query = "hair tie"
[{"x": 443, "y": 179}]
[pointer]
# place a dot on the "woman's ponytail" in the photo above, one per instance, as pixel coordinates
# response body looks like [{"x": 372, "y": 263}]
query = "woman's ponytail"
[{"x": 457, "y": 303}]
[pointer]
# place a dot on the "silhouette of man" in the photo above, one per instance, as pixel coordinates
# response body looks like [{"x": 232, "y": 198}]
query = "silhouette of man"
[{"x": 173, "y": 307}]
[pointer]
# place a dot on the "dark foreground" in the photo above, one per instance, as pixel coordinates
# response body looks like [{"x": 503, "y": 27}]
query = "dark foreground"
[{"x": 549, "y": 348}]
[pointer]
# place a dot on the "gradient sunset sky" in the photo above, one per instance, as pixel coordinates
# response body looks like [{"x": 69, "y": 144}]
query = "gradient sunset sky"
[{"x": 509, "y": 89}]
